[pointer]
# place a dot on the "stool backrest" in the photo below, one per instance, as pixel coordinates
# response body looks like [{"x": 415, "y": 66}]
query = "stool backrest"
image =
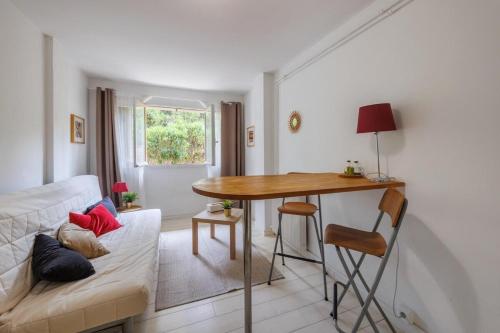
[{"x": 392, "y": 203}]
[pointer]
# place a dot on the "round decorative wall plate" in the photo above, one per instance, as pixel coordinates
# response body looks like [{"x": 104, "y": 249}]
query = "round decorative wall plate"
[{"x": 294, "y": 121}]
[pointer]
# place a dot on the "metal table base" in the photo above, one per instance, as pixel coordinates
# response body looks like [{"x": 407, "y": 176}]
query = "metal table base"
[{"x": 247, "y": 262}]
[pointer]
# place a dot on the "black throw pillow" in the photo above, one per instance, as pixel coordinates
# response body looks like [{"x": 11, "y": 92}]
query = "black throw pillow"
[
  {"x": 107, "y": 202},
  {"x": 53, "y": 262}
]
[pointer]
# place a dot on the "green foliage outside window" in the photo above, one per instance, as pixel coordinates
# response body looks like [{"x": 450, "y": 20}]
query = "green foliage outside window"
[{"x": 175, "y": 136}]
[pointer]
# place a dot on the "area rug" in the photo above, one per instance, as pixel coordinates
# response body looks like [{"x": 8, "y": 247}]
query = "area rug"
[{"x": 185, "y": 278}]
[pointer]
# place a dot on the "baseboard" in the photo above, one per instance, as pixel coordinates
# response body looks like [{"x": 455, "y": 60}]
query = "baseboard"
[{"x": 180, "y": 216}]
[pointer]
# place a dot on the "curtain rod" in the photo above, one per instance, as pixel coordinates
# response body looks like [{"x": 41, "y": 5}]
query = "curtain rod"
[{"x": 382, "y": 15}]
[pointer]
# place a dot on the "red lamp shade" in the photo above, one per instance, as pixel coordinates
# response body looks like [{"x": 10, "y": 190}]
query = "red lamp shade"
[
  {"x": 376, "y": 118},
  {"x": 120, "y": 187}
]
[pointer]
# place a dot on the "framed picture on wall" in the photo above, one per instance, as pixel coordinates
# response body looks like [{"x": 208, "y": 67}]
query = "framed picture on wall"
[
  {"x": 77, "y": 129},
  {"x": 250, "y": 136}
]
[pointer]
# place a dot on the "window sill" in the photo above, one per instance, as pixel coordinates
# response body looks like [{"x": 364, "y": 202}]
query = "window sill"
[{"x": 178, "y": 166}]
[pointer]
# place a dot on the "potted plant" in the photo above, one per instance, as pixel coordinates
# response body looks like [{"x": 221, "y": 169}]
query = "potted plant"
[
  {"x": 129, "y": 198},
  {"x": 227, "y": 204}
]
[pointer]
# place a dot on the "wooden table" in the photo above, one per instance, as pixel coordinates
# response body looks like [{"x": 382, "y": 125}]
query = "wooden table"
[
  {"x": 248, "y": 188},
  {"x": 218, "y": 218}
]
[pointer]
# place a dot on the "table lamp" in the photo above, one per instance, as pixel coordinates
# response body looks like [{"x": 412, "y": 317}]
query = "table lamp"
[
  {"x": 119, "y": 187},
  {"x": 376, "y": 118}
]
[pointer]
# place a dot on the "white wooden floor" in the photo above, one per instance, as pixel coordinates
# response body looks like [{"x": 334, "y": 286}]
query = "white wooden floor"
[{"x": 293, "y": 304}]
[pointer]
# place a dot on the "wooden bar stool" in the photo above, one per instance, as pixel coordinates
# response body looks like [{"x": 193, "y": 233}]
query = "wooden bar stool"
[
  {"x": 373, "y": 243},
  {"x": 301, "y": 209}
]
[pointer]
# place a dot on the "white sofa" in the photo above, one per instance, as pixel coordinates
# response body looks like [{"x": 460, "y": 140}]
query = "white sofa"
[{"x": 118, "y": 290}]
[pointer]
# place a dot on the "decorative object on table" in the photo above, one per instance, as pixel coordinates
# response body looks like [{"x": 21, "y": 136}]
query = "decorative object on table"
[
  {"x": 294, "y": 121},
  {"x": 352, "y": 170},
  {"x": 358, "y": 170},
  {"x": 251, "y": 136},
  {"x": 214, "y": 207},
  {"x": 77, "y": 129},
  {"x": 227, "y": 204},
  {"x": 120, "y": 187},
  {"x": 349, "y": 169},
  {"x": 129, "y": 198},
  {"x": 374, "y": 119}
]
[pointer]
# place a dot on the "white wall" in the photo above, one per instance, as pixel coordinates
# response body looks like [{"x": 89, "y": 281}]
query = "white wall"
[
  {"x": 254, "y": 156},
  {"x": 259, "y": 159},
  {"x": 69, "y": 96},
  {"x": 254, "y": 116},
  {"x": 21, "y": 101},
  {"x": 167, "y": 187},
  {"x": 438, "y": 63},
  {"x": 39, "y": 88}
]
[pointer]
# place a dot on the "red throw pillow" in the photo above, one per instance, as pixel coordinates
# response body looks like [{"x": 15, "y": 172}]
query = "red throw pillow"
[{"x": 99, "y": 220}]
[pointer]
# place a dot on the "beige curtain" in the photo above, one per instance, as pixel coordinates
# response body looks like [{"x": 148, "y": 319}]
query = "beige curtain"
[
  {"x": 232, "y": 148},
  {"x": 107, "y": 160}
]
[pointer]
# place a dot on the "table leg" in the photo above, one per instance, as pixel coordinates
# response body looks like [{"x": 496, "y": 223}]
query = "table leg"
[
  {"x": 232, "y": 241},
  {"x": 195, "y": 237},
  {"x": 247, "y": 262},
  {"x": 212, "y": 230}
]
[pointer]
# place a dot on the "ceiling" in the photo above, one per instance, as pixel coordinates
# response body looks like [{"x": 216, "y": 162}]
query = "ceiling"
[{"x": 196, "y": 44}]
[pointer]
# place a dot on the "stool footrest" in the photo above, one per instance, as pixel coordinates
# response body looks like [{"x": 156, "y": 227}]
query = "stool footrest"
[{"x": 298, "y": 258}]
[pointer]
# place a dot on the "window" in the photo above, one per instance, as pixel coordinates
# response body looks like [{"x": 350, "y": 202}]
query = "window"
[
  {"x": 175, "y": 135},
  {"x": 169, "y": 131}
]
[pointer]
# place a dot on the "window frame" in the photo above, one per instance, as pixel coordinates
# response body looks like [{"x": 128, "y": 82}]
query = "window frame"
[
  {"x": 138, "y": 104},
  {"x": 208, "y": 160}
]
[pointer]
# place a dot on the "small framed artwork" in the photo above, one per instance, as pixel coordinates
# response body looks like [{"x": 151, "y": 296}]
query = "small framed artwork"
[
  {"x": 77, "y": 129},
  {"x": 251, "y": 136}
]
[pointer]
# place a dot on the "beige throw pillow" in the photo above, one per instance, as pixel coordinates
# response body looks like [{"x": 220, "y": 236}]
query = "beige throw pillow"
[{"x": 82, "y": 240}]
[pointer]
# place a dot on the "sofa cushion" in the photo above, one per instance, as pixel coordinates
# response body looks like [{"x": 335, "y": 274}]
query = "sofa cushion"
[
  {"x": 99, "y": 220},
  {"x": 120, "y": 288},
  {"x": 81, "y": 240},
  {"x": 110, "y": 206},
  {"x": 26, "y": 213},
  {"x": 54, "y": 262}
]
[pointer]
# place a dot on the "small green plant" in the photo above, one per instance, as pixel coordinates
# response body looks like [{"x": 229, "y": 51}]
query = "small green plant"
[
  {"x": 130, "y": 197},
  {"x": 227, "y": 204}
]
